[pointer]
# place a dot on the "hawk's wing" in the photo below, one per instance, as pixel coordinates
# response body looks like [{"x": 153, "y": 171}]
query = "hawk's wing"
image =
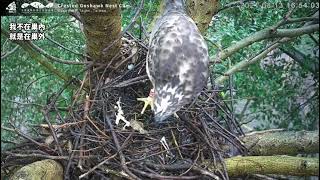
[{"x": 177, "y": 61}]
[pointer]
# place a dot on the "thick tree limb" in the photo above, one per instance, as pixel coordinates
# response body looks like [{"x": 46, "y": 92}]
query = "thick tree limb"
[
  {"x": 249, "y": 165},
  {"x": 101, "y": 30},
  {"x": 281, "y": 165},
  {"x": 267, "y": 143},
  {"x": 266, "y": 34}
]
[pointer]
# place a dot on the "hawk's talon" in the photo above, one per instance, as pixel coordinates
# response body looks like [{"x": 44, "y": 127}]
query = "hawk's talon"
[{"x": 147, "y": 101}]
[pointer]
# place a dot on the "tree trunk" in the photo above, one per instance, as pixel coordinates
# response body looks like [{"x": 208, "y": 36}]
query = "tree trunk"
[
  {"x": 102, "y": 29},
  {"x": 202, "y": 11}
]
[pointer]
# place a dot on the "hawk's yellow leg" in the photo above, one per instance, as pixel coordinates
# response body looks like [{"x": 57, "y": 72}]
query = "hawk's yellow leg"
[{"x": 147, "y": 101}]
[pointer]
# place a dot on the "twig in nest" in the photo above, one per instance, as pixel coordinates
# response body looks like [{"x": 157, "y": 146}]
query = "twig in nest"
[
  {"x": 97, "y": 128},
  {"x": 136, "y": 80},
  {"x": 97, "y": 166},
  {"x": 194, "y": 162},
  {"x": 176, "y": 144},
  {"x": 180, "y": 165},
  {"x": 117, "y": 144},
  {"x": 158, "y": 176},
  {"x": 53, "y": 133},
  {"x": 15, "y": 130},
  {"x": 60, "y": 126},
  {"x": 71, "y": 156}
]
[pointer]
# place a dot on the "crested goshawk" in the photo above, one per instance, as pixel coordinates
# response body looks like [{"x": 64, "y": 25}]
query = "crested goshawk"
[{"x": 177, "y": 61}]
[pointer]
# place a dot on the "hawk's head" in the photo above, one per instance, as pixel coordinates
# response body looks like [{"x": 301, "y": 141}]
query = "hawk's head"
[
  {"x": 178, "y": 5},
  {"x": 168, "y": 99}
]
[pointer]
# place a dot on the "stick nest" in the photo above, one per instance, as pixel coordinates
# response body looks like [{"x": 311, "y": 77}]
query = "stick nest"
[{"x": 90, "y": 145}]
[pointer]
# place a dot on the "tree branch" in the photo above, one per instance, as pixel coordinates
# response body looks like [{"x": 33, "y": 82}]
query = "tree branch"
[
  {"x": 236, "y": 166},
  {"x": 47, "y": 55},
  {"x": 65, "y": 48},
  {"x": 37, "y": 57},
  {"x": 270, "y": 32},
  {"x": 267, "y": 143},
  {"x": 234, "y": 4},
  {"x": 281, "y": 165},
  {"x": 302, "y": 19},
  {"x": 266, "y": 34},
  {"x": 244, "y": 64},
  {"x": 6, "y": 54},
  {"x": 249, "y": 165},
  {"x": 311, "y": 64}
]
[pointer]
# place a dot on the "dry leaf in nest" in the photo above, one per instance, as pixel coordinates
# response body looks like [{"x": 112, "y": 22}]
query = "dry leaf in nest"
[
  {"x": 50, "y": 139},
  {"x": 138, "y": 126},
  {"x": 69, "y": 146},
  {"x": 134, "y": 51},
  {"x": 44, "y": 129}
]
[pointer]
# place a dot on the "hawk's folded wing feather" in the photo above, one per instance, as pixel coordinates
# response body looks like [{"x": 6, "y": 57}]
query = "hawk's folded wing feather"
[{"x": 177, "y": 62}]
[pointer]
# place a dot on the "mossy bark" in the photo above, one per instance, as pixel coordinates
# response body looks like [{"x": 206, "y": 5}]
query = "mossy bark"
[
  {"x": 282, "y": 142},
  {"x": 202, "y": 11},
  {"x": 46, "y": 169},
  {"x": 101, "y": 29},
  {"x": 281, "y": 165}
]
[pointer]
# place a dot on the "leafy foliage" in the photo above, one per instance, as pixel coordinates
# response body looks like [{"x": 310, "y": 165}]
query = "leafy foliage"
[
  {"x": 25, "y": 82},
  {"x": 282, "y": 94}
]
